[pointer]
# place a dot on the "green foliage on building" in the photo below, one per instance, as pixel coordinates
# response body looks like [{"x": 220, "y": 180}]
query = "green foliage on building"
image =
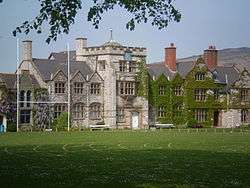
[{"x": 177, "y": 97}]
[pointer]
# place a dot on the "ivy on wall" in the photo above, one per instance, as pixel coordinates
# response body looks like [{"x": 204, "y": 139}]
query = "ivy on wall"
[
  {"x": 180, "y": 108},
  {"x": 142, "y": 78}
]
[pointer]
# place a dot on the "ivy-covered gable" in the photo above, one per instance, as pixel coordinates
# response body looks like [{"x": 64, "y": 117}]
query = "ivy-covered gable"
[
  {"x": 160, "y": 90},
  {"x": 178, "y": 110}
]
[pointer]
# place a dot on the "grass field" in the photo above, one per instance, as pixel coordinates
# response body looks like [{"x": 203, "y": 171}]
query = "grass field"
[{"x": 125, "y": 159}]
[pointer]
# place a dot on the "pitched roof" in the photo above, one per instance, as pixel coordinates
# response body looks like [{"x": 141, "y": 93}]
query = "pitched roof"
[
  {"x": 63, "y": 56},
  {"x": 222, "y": 73},
  {"x": 48, "y": 67},
  {"x": 156, "y": 69},
  {"x": 9, "y": 79}
]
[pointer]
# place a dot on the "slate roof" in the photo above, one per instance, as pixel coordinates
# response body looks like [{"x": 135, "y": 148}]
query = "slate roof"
[
  {"x": 184, "y": 67},
  {"x": 221, "y": 72},
  {"x": 63, "y": 56},
  {"x": 10, "y": 80},
  {"x": 47, "y": 67},
  {"x": 156, "y": 69}
]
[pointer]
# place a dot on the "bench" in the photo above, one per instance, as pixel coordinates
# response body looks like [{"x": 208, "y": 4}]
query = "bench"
[
  {"x": 99, "y": 127},
  {"x": 164, "y": 126}
]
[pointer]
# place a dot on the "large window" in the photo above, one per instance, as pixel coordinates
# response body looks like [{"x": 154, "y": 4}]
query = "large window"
[
  {"x": 162, "y": 90},
  {"x": 200, "y": 115},
  {"x": 95, "y": 111},
  {"x": 78, "y": 87},
  {"x": 25, "y": 116},
  {"x": 200, "y": 94},
  {"x": 178, "y": 91},
  {"x": 122, "y": 66},
  {"x": 244, "y": 116},
  {"x": 95, "y": 88},
  {"x": 132, "y": 66},
  {"x": 78, "y": 111},
  {"x": 58, "y": 109},
  {"x": 199, "y": 76},
  {"x": 127, "y": 88},
  {"x": 28, "y": 98},
  {"x": 162, "y": 111},
  {"x": 22, "y": 98},
  {"x": 59, "y": 87},
  {"x": 120, "y": 115},
  {"x": 244, "y": 95}
]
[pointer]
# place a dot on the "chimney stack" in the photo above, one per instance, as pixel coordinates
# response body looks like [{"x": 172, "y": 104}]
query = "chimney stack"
[
  {"x": 27, "y": 50},
  {"x": 170, "y": 57},
  {"x": 80, "y": 44},
  {"x": 210, "y": 57}
]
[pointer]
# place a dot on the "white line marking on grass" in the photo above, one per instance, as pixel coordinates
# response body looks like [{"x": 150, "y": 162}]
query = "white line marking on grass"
[
  {"x": 6, "y": 151},
  {"x": 35, "y": 148},
  {"x": 121, "y": 147},
  {"x": 169, "y": 145},
  {"x": 64, "y": 147}
]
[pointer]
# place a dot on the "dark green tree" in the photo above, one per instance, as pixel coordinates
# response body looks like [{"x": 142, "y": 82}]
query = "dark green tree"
[{"x": 60, "y": 14}]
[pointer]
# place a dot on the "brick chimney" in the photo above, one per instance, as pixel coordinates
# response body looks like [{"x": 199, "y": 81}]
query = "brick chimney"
[
  {"x": 210, "y": 57},
  {"x": 80, "y": 44},
  {"x": 170, "y": 57}
]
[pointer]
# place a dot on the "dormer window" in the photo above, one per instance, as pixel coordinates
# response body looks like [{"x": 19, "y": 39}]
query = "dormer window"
[
  {"x": 200, "y": 76},
  {"x": 59, "y": 87},
  {"x": 95, "y": 88},
  {"x": 78, "y": 87}
]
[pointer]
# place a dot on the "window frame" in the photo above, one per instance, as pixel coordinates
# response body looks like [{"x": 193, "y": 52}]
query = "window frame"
[
  {"x": 95, "y": 88},
  {"x": 78, "y": 87},
  {"x": 60, "y": 87},
  {"x": 200, "y": 115},
  {"x": 200, "y": 95},
  {"x": 95, "y": 111}
]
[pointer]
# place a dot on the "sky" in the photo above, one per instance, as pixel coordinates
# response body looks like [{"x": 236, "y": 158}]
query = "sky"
[{"x": 223, "y": 23}]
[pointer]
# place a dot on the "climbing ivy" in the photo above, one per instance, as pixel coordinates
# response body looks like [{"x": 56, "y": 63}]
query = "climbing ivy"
[
  {"x": 142, "y": 78},
  {"x": 180, "y": 109}
]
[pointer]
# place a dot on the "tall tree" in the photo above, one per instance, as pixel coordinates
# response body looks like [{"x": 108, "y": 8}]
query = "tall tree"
[{"x": 60, "y": 14}]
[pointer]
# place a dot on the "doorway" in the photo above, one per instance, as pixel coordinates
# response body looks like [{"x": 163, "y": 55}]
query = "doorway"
[
  {"x": 216, "y": 118},
  {"x": 135, "y": 120}
]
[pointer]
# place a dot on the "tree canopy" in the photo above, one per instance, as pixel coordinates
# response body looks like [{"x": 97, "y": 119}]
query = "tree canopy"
[{"x": 61, "y": 14}]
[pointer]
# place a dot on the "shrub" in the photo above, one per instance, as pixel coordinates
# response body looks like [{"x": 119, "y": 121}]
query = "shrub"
[
  {"x": 61, "y": 122},
  {"x": 11, "y": 127},
  {"x": 192, "y": 122}
]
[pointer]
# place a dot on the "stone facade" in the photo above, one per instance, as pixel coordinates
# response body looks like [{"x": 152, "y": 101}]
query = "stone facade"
[{"x": 99, "y": 90}]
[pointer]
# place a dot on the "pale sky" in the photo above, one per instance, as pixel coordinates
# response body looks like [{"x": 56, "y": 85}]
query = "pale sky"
[{"x": 223, "y": 23}]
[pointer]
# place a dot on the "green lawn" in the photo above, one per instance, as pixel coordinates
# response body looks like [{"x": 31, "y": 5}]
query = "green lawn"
[{"x": 125, "y": 159}]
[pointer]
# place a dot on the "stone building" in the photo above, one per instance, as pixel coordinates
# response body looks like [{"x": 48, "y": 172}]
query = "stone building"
[
  {"x": 104, "y": 88},
  {"x": 102, "y": 83},
  {"x": 186, "y": 92}
]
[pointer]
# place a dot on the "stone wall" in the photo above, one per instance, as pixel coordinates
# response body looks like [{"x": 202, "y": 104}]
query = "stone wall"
[{"x": 231, "y": 118}]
